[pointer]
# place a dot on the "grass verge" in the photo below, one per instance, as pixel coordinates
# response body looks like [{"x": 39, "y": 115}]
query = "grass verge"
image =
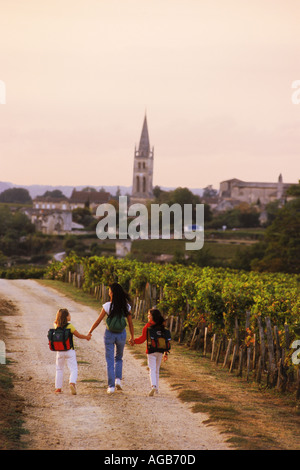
[{"x": 11, "y": 405}]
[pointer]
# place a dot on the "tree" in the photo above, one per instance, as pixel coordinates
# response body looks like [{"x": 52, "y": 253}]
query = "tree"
[
  {"x": 56, "y": 193},
  {"x": 16, "y": 195},
  {"x": 16, "y": 223},
  {"x": 282, "y": 240},
  {"x": 16, "y": 232},
  {"x": 160, "y": 195},
  {"x": 294, "y": 190},
  {"x": 89, "y": 189},
  {"x": 203, "y": 257},
  {"x": 243, "y": 216},
  {"x": 83, "y": 216},
  {"x": 183, "y": 196},
  {"x": 210, "y": 192},
  {"x": 248, "y": 217},
  {"x": 272, "y": 209},
  {"x": 247, "y": 257}
]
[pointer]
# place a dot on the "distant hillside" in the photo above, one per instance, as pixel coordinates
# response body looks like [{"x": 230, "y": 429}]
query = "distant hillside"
[{"x": 39, "y": 189}]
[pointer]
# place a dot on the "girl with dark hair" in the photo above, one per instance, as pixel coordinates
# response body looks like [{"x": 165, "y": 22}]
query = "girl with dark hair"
[
  {"x": 117, "y": 310},
  {"x": 154, "y": 359}
]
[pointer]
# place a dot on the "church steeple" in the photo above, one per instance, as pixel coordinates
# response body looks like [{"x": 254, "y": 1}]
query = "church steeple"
[
  {"x": 144, "y": 147},
  {"x": 280, "y": 187},
  {"x": 143, "y": 167}
]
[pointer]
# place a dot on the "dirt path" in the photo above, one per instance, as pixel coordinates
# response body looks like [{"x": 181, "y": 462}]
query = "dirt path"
[{"x": 128, "y": 420}]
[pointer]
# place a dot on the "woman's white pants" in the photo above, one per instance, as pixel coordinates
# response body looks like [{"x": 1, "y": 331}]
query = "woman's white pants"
[
  {"x": 154, "y": 361},
  {"x": 70, "y": 358}
]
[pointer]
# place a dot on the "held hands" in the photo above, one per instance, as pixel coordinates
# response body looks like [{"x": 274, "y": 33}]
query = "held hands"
[{"x": 88, "y": 336}]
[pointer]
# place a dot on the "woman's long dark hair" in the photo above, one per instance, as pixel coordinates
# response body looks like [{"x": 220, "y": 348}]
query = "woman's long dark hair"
[
  {"x": 120, "y": 300},
  {"x": 157, "y": 317}
]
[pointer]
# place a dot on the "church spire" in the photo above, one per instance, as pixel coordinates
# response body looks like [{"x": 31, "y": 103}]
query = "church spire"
[
  {"x": 143, "y": 168},
  {"x": 144, "y": 147}
]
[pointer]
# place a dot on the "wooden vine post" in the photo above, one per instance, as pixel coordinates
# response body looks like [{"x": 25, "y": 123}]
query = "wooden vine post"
[
  {"x": 272, "y": 363},
  {"x": 262, "y": 343}
]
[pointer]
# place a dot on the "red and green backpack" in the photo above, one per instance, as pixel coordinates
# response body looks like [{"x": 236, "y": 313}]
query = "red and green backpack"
[{"x": 60, "y": 339}]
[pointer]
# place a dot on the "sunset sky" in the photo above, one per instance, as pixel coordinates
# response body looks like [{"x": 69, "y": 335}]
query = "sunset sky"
[{"x": 214, "y": 76}]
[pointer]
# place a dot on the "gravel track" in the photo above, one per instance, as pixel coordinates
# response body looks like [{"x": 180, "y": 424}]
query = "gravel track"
[{"x": 127, "y": 420}]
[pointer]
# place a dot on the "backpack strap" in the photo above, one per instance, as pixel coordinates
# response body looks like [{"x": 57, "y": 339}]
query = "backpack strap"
[
  {"x": 64, "y": 339},
  {"x": 52, "y": 343},
  {"x": 152, "y": 336},
  {"x": 70, "y": 338}
]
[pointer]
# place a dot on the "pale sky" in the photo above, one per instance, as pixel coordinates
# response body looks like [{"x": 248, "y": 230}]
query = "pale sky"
[{"x": 215, "y": 77}]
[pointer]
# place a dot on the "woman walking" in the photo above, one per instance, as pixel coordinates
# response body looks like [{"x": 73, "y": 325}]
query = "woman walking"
[{"x": 117, "y": 311}]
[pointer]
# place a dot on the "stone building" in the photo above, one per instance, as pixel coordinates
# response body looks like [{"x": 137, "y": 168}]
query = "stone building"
[
  {"x": 235, "y": 190},
  {"x": 50, "y": 221},
  {"x": 92, "y": 199},
  {"x": 48, "y": 202},
  {"x": 123, "y": 248},
  {"x": 52, "y": 215},
  {"x": 142, "y": 185}
]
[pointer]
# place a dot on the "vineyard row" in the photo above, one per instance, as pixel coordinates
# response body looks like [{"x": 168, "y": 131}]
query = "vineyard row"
[{"x": 245, "y": 322}]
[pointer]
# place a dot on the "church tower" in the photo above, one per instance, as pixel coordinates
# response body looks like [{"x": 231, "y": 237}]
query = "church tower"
[
  {"x": 280, "y": 187},
  {"x": 142, "y": 187}
]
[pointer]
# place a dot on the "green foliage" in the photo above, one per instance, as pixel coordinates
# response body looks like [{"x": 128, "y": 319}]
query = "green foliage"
[
  {"x": 247, "y": 257},
  {"x": 217, "y": 295},
  {"x": 14, "y": 224},
  {"x": 56, "y": 193},
  {"x": 15, "y": 195},
  {"x": 18, "y": 236},
  {"x": 282, "y": 240},
  {"x": 83, "y": 216},
  {"x": 294, "y": 190},
  {"x": 243, "y": 216},
  {"x": 22, "y": 272},
  {"x": 181, "y": 196},
  {"x": 272, "y": 209},
  {"x": 74, "y": 244}
]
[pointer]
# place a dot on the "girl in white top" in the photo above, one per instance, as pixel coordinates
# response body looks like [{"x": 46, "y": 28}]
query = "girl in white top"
[{"x": 114, "y": 341}]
